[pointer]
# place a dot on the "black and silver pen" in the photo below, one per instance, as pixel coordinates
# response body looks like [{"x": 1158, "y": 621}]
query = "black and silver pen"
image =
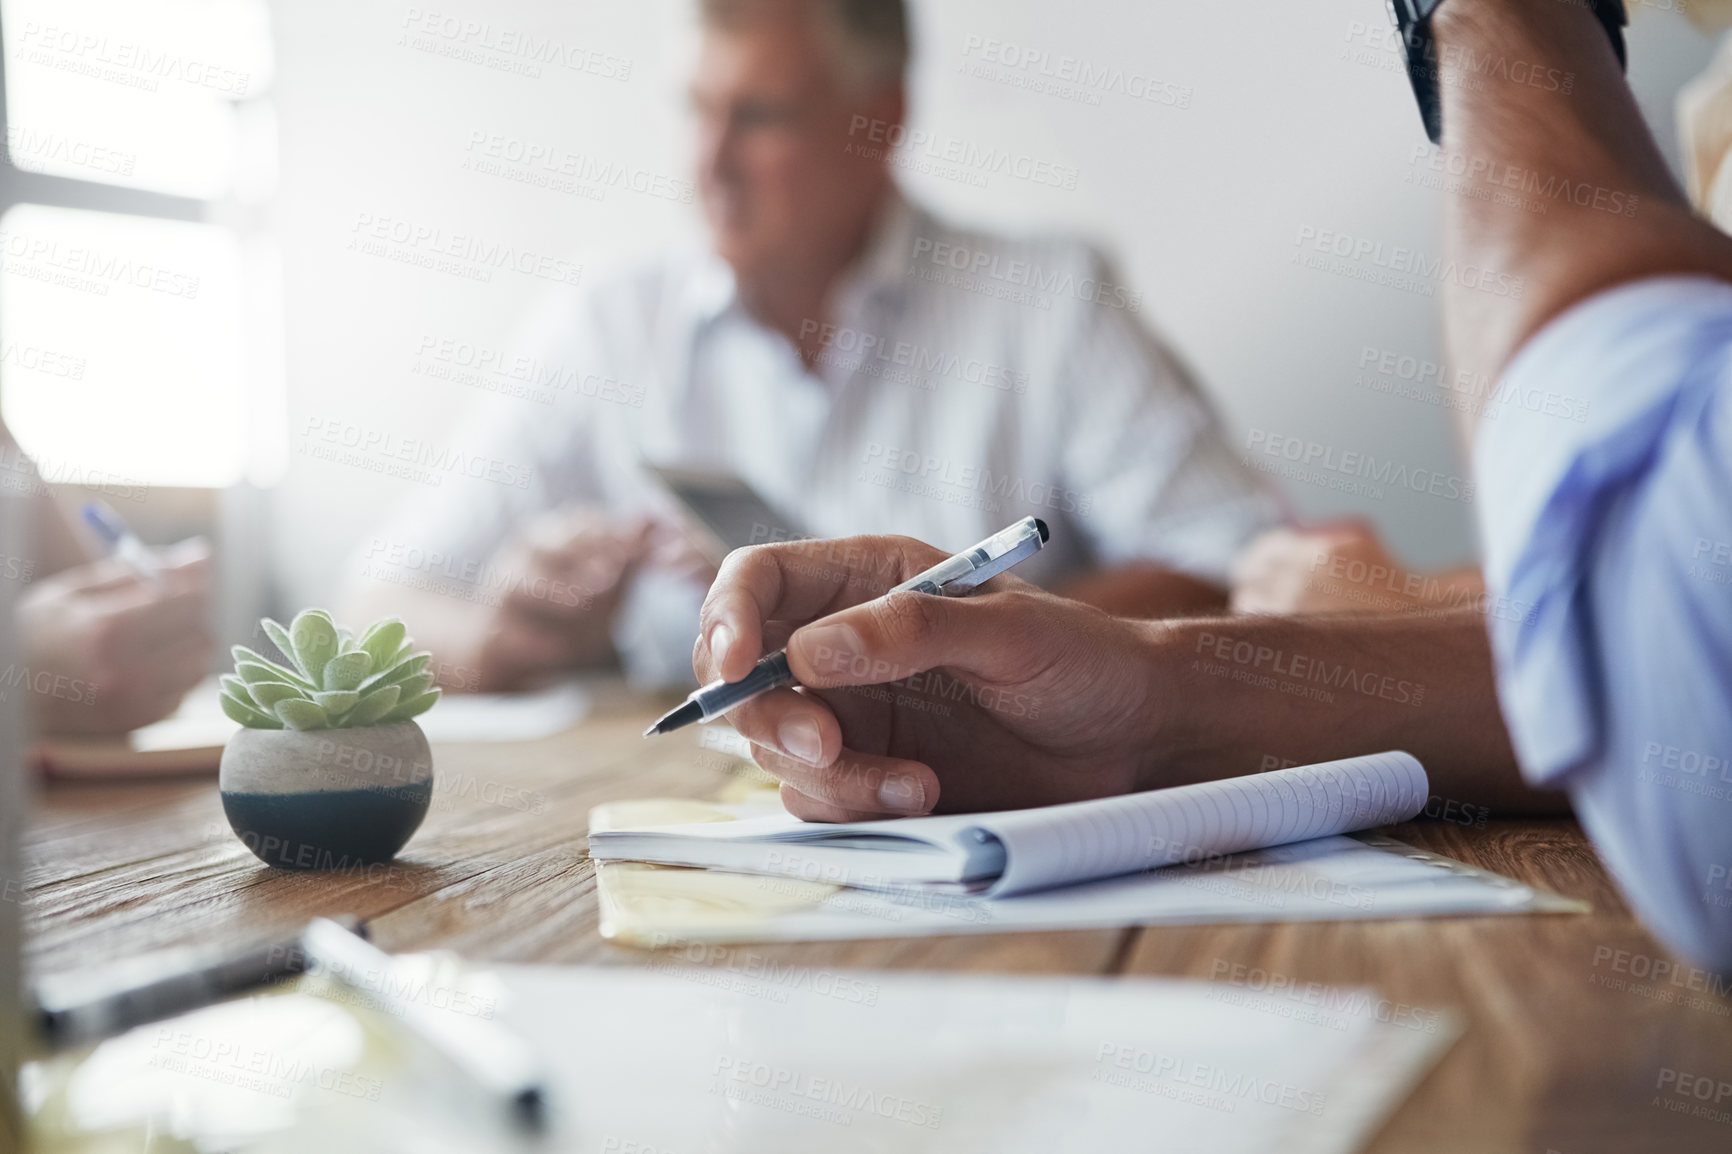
[
  {"x": 84, "y": 1006},
  {"x": 951, "y": 577}
]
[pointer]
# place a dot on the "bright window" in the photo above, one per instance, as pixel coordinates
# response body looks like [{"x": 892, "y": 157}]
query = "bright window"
[{"x": 138, "y": 327}]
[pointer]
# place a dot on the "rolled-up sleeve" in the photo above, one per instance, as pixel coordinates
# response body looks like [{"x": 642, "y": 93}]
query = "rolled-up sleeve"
[{"x": 1606, "y": 461}]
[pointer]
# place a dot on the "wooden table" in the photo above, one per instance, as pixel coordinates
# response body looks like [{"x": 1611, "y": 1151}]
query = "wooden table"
[{"x": 1567, "y": 1032}]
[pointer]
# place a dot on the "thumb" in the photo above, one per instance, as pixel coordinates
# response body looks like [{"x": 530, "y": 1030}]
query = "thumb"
[{"x": 898, "y": 636}]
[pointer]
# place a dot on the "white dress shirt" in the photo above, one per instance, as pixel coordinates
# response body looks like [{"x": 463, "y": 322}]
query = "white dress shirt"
[{"x": 968, "y": 381}]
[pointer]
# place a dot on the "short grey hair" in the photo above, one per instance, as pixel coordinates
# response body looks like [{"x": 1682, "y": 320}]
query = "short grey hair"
[{"x": 872, "y": 42}]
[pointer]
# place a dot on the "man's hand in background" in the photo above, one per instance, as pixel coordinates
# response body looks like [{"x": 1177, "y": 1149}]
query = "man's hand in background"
[
  {"x": 560, "y": 585},
  {"x": 1341, "y": 568},
  {"x": 110, "y": 650}
]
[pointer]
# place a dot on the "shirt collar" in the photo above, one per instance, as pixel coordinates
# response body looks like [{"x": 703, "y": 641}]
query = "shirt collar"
[{"x": 883, "y": 267}]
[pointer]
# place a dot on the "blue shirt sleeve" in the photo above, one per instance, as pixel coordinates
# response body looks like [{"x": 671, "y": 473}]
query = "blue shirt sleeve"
[{"x": 1606, "y": 461}]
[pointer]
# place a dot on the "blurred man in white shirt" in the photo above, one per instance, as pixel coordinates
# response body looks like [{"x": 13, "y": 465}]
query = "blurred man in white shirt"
[{"x": 862, "y": 365}]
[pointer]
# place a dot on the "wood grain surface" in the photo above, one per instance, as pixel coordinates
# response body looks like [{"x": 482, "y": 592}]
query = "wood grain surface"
[{"x": 1570, "y": 1021}]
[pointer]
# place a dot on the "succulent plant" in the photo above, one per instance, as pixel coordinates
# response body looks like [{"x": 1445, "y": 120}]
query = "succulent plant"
[{"x": 331, "y": 679}]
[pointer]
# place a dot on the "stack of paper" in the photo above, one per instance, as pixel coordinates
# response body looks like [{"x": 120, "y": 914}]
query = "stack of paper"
[{"x": 1265, "y": 847}]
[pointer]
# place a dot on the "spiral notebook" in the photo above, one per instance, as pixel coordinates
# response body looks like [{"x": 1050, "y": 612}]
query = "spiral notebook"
[{"x": 1022, "y": 851}]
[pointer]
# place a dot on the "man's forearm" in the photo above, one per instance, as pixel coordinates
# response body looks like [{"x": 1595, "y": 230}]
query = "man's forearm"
[
  {"x": 1254, "y": 693},
  {"x": 1141, "y": 589},
  {"x": 1574, "y": 136}
]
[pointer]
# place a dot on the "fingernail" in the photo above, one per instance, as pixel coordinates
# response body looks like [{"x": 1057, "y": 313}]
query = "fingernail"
[
  {"x": 902, "y": 795},
  {"x": 800, "y": 739},
  {"x": 721, "y": 637},
  {"x": 832, "y": 648}
]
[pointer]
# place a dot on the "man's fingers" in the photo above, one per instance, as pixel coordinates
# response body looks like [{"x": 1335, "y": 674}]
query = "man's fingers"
[
  {"x": 790, "y": 723},
  {"x": 994, "y": 635},
  {"x": 857, "y": 783},
  {"x": 811, "y": 809},
  {"x": 798, "y": 581}
]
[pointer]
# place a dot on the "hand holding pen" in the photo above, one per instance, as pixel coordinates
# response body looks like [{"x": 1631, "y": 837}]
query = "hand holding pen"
[
  {"x": 116, "y": 643},
  {"x": 955, "y": 576},
  {"x": 910, "y": 702}
]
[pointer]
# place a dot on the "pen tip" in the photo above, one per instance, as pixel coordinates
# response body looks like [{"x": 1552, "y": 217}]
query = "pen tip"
[
  {"x": 1045, "y": 536},
  {"x": 685, "y": 715}
]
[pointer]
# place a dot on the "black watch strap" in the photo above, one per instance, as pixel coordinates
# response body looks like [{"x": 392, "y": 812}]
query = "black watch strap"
[{"x": 1413, "y": 20}]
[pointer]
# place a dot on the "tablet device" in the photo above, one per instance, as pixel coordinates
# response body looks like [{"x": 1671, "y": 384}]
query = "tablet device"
[{"x": 726, "y": 512}]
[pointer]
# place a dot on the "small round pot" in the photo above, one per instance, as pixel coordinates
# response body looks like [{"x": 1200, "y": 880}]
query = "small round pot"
[{"x": 327, "y": 798}]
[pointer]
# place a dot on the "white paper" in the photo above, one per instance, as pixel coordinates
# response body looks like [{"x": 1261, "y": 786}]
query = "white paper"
[
  {"x": 744, "y": 1053},
  {"x": 199, "y": 723},
  {"x": 1327, "y": 879},
  {"x": 732, "y": 1051},
  {"x": 506, "y": 716},
  {"x": 1061, "y": 844}
]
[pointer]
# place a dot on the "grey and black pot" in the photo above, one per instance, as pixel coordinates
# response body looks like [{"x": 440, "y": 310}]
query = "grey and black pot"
[{"x": 327, "y": 798}]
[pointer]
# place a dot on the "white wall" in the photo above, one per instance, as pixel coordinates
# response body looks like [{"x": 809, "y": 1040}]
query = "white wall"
[{"x": 1291, "y": 123}]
